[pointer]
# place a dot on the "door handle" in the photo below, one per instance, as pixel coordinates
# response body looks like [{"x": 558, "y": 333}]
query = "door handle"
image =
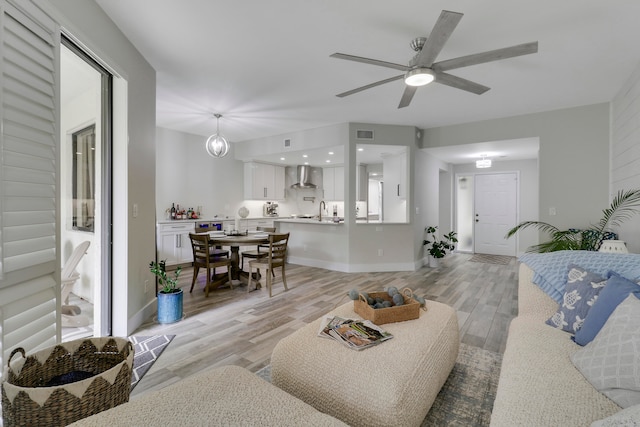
[{"x": 398, "y": 190}]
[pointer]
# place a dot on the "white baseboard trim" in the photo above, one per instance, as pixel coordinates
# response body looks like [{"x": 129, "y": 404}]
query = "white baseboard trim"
[
  {"x": 354, "y": 268},
  {"x": 143, "y": 314}
]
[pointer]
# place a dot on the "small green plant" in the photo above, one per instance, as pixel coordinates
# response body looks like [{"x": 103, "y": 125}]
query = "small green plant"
[
  {"x": 439, "y": 248},
  {"x": 168, "y": 284}
]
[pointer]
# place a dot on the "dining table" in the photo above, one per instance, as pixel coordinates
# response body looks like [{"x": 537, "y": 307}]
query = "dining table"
[{"x": 234, "y": 242}]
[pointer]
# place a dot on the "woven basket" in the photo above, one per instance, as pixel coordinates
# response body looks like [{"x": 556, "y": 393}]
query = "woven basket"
[
  {"x": 102, "y": 365},
  {"x": 408, "y": 311}
]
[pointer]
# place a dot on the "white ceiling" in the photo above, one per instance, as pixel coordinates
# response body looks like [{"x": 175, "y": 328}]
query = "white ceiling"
[{"x": 265, "y": 65}]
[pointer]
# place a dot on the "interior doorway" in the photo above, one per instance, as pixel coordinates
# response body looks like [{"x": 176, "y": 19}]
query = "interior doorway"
[
  {"x": 486, "y": 208},
  {"x": 85, "y": 186}
]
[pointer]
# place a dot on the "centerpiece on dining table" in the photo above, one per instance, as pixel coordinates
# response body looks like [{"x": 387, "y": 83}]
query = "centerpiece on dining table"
[{"x": 236, "y": 233}]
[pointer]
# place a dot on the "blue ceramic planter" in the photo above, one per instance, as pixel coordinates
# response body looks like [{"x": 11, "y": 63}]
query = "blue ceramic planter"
[{"x": 170, "y": 307}]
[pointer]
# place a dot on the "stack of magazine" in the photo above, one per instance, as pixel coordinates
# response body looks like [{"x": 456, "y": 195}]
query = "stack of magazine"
[{"x": 355, "y": 334}]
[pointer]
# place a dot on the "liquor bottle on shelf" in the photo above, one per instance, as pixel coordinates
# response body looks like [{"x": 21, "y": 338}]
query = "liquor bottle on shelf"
[{"x": 173, "y": 211}]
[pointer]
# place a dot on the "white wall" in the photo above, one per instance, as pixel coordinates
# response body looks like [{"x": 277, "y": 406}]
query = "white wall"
[
  {"x": 134, "y": 155},
  {"x": 625, "y": 151},
  {"x": 187, "y": 175},
  {"x": 573, "y": 157},
  {"x": 427, "y": 197}
]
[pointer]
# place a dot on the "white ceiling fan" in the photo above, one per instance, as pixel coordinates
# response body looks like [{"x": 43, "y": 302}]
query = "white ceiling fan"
[{"x": 423, "y": 69}]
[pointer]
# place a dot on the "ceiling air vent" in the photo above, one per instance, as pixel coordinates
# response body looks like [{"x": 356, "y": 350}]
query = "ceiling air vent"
[
  {"x": 287, "y": 143},
  {"x": 364, "y": 134}
]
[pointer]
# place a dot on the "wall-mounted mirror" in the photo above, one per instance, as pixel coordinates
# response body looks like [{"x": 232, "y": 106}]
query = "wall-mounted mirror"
[{"x": 384, "y": 196}]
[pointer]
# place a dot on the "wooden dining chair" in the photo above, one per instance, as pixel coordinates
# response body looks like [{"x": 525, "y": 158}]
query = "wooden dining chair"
[
  {"x": 260, "y": 251},
  {"x": 276, "y": 258},
  {"x": 205, "y": 256}
]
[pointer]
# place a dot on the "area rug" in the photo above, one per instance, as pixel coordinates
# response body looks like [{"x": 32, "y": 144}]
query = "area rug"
[
  {"x": 466, "y": 399},
  {"x": 147, "y": 351},
  {"x": 491, "y": 259}
]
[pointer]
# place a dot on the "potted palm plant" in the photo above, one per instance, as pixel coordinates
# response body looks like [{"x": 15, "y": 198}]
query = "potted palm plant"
[
  {"x": 438, "y": 247},
  {"x": 623, "y": 206},
  {"x": 169, "y": 295}
]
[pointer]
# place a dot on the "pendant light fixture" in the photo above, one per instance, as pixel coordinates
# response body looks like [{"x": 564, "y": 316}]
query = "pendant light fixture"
[{"x": 217, "y": 145}]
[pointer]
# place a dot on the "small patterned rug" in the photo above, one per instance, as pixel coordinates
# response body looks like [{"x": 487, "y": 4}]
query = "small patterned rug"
[
  {"x": 147, "y": 351},
  {"x": 491, "y": 259},
  {"x": 466, "y": 399}
]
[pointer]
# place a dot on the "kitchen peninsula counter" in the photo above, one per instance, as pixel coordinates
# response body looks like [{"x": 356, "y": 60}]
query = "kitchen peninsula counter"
[{"x": 313, "y": 221}]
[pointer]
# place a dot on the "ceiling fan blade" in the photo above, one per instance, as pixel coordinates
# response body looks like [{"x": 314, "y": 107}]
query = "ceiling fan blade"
[
  {"x": 460, "y": 83},
  {"x": 369, "y": 86},
  {"x": 440, "y": 33},
  {"x": 489, "y": 56},
  {"x": 407, "y": 96},
  {"x": 370, "y": 61}
]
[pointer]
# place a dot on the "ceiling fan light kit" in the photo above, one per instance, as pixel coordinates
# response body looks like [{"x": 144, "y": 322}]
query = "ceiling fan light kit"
[
  {"x": 217, "y": 145},
  {"x": 422, "y": 69},
  {"x": 419, "y": 77}
]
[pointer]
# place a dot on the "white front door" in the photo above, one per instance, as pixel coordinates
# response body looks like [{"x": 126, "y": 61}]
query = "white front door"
[{"x": 495, "y": 213}]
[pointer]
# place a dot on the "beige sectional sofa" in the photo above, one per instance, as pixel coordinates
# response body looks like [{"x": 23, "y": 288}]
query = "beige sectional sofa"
[{"x": 539, "y": 385}]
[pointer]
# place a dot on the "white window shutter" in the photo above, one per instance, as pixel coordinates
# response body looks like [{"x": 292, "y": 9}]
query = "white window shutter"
[{"x": 29, "y": 260}]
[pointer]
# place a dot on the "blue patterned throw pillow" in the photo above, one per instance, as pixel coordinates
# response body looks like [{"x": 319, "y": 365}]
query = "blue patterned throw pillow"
[{"x": 581, "y": 291}]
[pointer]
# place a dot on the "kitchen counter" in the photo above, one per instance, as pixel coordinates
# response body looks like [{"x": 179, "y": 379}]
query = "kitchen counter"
[
  {"x": 325, "y": 221},
  {"x": 219, "y": 219}
]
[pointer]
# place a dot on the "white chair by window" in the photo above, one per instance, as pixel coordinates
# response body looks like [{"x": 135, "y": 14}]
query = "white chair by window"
[{"x": 71, "y": 314}]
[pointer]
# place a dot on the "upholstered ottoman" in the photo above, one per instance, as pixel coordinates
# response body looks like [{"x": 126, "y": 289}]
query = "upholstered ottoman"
[
  {"x": 226, "y": 396},
  {"x": 391, "y": 384}
]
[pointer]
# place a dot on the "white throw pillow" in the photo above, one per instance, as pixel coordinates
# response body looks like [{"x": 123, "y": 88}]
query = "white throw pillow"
[{"x": 611, "y": 362}]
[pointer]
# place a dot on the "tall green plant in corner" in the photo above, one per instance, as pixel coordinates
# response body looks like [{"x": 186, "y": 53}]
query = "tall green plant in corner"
[{"x": 623, "y": 206}]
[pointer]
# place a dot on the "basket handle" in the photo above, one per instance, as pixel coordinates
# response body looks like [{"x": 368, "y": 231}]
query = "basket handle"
[
  {"x": 16, "y": 350},
  {"x": 407, "y": 292},
  {"x": 362, "y": 298}
]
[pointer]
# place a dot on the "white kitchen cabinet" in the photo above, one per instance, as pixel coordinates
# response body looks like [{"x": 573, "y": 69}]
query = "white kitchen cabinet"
[
  {"x": 174, "y": 244},
  {"x": 253, "y": 224},
  {"x": 333, "y": 183},
  {"x": 263, "y": 181}
]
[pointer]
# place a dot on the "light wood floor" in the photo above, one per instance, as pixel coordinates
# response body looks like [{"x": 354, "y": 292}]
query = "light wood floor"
[{"x": 233, "y": 327}]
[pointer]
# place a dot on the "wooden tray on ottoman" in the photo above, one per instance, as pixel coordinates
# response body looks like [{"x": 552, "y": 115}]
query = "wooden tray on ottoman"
[{"x": 408, "y": 311}]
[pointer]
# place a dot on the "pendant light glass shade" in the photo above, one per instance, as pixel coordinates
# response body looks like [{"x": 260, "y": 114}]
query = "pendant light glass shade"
[{"x": 217, "y": 145}]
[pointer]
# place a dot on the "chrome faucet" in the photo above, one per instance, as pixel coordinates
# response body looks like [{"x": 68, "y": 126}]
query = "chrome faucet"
[{"x": 322, "y": 203}]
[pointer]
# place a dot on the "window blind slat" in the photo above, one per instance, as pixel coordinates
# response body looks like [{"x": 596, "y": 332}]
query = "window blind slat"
[
  {"x": 23, "y": 131},
  {"x": 28, "y": 232}
]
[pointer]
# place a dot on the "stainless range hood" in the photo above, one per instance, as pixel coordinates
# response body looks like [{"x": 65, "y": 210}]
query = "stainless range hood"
[{"x": 303, "y": 175}]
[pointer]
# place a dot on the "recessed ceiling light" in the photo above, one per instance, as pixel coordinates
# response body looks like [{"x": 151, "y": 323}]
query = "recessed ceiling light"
[
  {"x": 282, "y": 158},
  {"x": 328, "y": 161},
  {"x": 360, "y": 149},
  {"x": 374, "y": 174},
  {"x": 305, "y": 156},
  {"x": 306, "y": 163},
  {"x": 331, "y": 153}
]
